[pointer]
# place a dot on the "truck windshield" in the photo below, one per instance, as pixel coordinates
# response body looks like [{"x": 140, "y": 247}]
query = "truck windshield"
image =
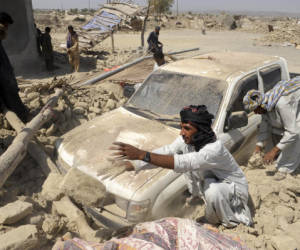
[{"x": 166, "y": 93}]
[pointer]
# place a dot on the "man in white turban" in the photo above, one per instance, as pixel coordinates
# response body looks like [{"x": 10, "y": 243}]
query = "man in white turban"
[{"x": 280, "y": 108}]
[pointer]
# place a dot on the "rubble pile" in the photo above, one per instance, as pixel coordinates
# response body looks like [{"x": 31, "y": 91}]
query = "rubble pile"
[
  {"x": 57, "y": 20},
  {"x": 253, "y": 24},
  {"x": 35, "y": 219},
  {"x": 287, "y": 33},
  {"x": 34, "y": 210},
  {"x": 284, "y": 30},
  {"x": 77, "y": 105},
  {"x": 215, "y": 22}
]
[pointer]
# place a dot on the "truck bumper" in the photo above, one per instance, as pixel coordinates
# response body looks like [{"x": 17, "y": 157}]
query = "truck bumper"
[{"x": 107, "y": 218}]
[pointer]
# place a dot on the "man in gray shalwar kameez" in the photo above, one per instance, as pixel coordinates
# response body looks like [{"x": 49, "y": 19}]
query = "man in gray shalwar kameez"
[
  {"x": 280, "y": 126},
  {"x": 210, "y": 169}
]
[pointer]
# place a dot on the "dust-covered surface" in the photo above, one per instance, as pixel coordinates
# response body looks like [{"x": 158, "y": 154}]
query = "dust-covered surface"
[{"x": 276, "y": 206}]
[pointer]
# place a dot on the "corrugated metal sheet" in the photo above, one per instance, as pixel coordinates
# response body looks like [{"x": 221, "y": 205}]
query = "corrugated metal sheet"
[
  {"x": 104, "y": 22},
  {"x": 107, "y": 19}
]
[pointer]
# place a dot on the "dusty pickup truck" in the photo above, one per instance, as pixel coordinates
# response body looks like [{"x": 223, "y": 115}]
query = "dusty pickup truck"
[{"x": 150, "y": 120}]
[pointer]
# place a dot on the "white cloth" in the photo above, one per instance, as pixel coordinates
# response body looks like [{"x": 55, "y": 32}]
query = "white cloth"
[
  {"x": 284, "y": 121},
  {"x": 215, "y": 162}
]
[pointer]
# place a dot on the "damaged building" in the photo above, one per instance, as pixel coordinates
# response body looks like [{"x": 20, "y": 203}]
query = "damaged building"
[{"x": 21, "y": 41}]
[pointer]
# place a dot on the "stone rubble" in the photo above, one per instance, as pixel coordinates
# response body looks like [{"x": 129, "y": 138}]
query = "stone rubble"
[
  {"x": 50, "y": 189},
  {"x": 14, "y": 212},
  {"x": 23, "y": 237},
  {"x": 27, "y": 198},
  {"x": 82, "y": 188}
]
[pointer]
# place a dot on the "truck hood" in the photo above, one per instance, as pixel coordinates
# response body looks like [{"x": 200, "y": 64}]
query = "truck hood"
[{"x": 87, "y": 148}]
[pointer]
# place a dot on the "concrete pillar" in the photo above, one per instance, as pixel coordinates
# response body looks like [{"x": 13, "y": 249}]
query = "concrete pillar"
[{"x": 20, "y": 44}]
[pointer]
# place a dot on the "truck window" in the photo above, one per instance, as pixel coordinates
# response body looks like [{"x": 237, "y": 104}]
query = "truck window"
[
  {"x": 246, "y": 84},
  {"x": 270, "y": 76}
]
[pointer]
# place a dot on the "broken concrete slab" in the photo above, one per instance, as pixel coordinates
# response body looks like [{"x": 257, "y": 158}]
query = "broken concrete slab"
[
  {"x": 51, "y": 190},
  {"x": 23, "y": 237},
  {"x": 36, "y": 220},
  {"x": 67, "y": 208},
  {"x": 15, "y": 211},
  {"x": 83, "y": 188}
]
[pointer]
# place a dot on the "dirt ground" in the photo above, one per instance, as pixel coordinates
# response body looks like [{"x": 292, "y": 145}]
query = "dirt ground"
[
  {"x": 175, "y": 40},
  {"x": 276, "y": 205}
]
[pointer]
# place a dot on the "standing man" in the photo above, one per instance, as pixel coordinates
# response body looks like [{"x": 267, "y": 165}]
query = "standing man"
[
  {"x": 38, "y": 39},
  {"x": 280, "y": 125},
  {"x": 73, "y": 48},
  {"x": 153, "y": 44},
  {"x": 9, "y": 91},
  {"x": 47, "y": 49},
  {"x": 210, "y": 169}
]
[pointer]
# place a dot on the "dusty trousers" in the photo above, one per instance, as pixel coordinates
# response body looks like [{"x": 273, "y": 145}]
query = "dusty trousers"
[
  {"x": 223, "y": 204},
  {"x": 74, "y": 60}
]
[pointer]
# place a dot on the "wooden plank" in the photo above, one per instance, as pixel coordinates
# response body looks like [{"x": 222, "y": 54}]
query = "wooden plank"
[{"x": 16, "y": 152}]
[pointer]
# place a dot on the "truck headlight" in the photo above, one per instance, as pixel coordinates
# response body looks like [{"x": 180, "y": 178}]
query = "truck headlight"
[{"x": 137, "y": 211}]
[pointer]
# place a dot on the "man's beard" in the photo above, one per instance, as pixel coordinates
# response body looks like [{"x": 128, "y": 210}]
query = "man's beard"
[{"x": 199, "y": 140}]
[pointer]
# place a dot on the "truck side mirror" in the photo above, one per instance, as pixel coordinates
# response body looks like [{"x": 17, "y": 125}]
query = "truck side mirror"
[{"x": 237, "y": 119}]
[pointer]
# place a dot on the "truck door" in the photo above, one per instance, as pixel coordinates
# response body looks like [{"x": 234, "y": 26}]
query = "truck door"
[
  {"x": 270, "y": 76},
  {"x": 241, "y": 141}
]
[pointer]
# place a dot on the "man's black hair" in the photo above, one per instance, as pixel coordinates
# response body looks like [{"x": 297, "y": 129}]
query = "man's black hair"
[
  {"x": 70, "y": 27},
  {"x": 5, "y": 18},
  {"x": 48, "y": 29}
]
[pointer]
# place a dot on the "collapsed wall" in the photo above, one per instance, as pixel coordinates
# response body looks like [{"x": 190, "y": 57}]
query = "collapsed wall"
[{"x": 20, "y": 43}]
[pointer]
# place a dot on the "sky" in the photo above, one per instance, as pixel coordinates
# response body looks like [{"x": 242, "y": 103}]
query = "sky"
[{"x": 188, "y": 5}]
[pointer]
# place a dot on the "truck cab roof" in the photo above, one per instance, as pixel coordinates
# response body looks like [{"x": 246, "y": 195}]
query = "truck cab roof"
[{"x": 221, "y": 65}]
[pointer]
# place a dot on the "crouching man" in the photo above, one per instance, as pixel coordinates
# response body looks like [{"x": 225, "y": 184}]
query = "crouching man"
[
  {"x": 280, "y": 125},
  {"x": 210, "y": 169}
]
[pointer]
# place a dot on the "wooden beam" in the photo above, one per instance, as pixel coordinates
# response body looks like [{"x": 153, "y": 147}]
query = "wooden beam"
[
  {"x": 125, "y": 66},
  {"x": 16, "y": 152},
  {"x": 35, "y": 149}
]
